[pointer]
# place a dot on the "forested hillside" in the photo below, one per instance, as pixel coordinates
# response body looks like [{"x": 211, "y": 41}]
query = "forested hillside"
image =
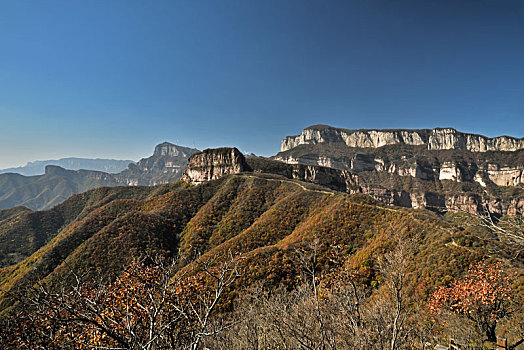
[{"x": 280, "y": 231}]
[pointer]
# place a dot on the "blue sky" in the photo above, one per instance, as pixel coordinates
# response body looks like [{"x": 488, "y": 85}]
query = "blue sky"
[{"x": 113, "y": 78}]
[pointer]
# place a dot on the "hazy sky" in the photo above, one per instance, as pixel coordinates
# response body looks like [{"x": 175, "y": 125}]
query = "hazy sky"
[{"x": 113, "y": 78}]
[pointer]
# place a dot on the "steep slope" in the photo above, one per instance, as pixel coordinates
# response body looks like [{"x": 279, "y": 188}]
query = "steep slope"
[
  {"x": 57, "y": 184},
  {"x": 440, "y": 168},
  {"x": 266, "y": 218},
  {"x": 167, "y": 164},
  {"x": 38, "y": 167},
  {"x": 22, "y": 231},
  {"x": 431, "y": 139},
  {"x": 388, "y": 188}
]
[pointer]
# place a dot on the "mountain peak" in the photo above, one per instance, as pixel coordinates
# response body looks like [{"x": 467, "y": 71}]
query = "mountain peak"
[
  {"x": 172, "y": 150},
  {"x": 56, "y": 170}
]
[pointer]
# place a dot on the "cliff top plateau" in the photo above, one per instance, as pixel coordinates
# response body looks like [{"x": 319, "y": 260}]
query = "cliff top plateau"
[{"x": 432, "y": 139}]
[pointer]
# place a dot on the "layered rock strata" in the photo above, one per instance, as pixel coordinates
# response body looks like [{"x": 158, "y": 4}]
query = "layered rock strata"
[
  {"x": 390, "y": 189},
  {"x": 423, "y": 166},
  {"x": 437, "y": 154},
  {"x": 432, "y": 139},
  {"x": 212, "y": 164}
]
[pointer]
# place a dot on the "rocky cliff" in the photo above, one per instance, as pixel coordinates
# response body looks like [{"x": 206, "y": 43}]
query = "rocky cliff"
[
  {"x": 388, "y": 188},
  {"x": 212, "y": 164},
  {"x": 438, "y": 154},
  {"x": 408, "y": 192},
  {"x": 440, "y": 169},
  {"x": 499, "y": 168},
  {"x": 167, "y": 164},
  {"x": 435, "y": 139}
]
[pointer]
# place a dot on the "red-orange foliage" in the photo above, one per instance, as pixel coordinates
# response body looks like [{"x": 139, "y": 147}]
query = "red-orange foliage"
[
  {"x": 481, "y": 296},
  {"x": 149, "y": 306}
]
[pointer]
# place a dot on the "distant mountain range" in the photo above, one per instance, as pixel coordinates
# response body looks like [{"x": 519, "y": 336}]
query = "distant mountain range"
[
  {"x": 346, "y": 203},
  {"x": 38, "y": 167},
  {"x": 441, "y": 168},
  {"x": 167, "y": 164}
]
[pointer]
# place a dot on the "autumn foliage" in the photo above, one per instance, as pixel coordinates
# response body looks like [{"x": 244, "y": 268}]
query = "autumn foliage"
[
  {"x": 481, "y": 296},
  {"x": 150, "y": 305}
]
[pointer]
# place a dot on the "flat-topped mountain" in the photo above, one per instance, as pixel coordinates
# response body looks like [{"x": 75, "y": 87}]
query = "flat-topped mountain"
[
  {"x": 212, "y": 164},
  {"x": 38, "y": 167},
  {"x": 438, "y": 168},
  {"x": 432, "y": 139},
  {"x": 438, "y": 154},
  {"x": 401, "y": 175}
]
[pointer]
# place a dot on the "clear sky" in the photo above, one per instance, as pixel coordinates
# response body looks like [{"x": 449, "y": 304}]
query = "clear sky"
[{"x": 113, "y": 78}]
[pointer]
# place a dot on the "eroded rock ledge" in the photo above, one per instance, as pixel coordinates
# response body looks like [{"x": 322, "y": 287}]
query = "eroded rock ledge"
[
  {"x": 387, "y": 188},
  {"x": 212, "y": 164},
  {"x": 432, "y": 139}
]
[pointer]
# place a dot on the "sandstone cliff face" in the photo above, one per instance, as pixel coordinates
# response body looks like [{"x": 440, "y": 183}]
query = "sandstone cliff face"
[
  {"x": 446, "y": 170},
  {"x": 438, "y": 154},
  {"x": 212, "y": 164},
  {"x": 435, "y": 139},
  {"x": 342, "y": 180}
]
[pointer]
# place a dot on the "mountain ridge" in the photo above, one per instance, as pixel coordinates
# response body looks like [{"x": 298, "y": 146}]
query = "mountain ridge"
[
  {"x": 57, "y": 184},
  {"x": 433, "y": 139},
  {"x": 265, "y": 218},
  {"x": 37, "y": 167},
  {"x": 404, "y": 190}
]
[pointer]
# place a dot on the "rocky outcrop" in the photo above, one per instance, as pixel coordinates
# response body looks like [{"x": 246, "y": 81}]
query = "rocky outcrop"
[
  {"x": 214, "y": 163},
  {"x": 435, "y": 139},
  {"x": 167, "y": 164},
  {"x": 393, "y": 189},
  {"x": 505, "y": 175}
]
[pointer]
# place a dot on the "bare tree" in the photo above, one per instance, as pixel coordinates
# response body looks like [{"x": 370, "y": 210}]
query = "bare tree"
[
  {"x": 308, "y": 261},
  {"x": 151, "y": 305},
  {"x": 509, "y": 230},
  {"x": 393, "y": 267}
]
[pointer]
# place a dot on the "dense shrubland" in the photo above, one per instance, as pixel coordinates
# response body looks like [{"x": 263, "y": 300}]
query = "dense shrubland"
[{"x": 307, "y": 269}]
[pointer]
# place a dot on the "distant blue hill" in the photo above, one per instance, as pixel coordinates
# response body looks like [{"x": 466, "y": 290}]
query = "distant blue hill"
[
  {"x": 38, "y": 167},
  {"x": 35, "y": 189}
]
